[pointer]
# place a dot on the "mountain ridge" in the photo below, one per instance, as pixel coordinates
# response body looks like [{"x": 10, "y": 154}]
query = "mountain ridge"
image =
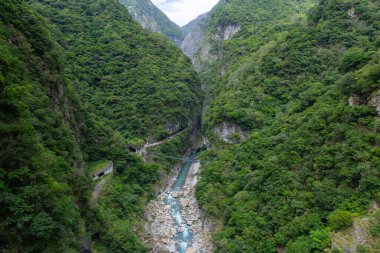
[
  {"x": 152, "y": 18},
  {"x": 284, "y": 110},
  {"x": 277, "y": 95},
  {"x": 81, "y": 82}
]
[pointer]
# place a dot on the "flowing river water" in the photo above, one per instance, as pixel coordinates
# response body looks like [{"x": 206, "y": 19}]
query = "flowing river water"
[{"x": 174, "y": 221}]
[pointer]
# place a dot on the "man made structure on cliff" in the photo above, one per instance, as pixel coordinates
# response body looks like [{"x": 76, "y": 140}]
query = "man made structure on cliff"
[{"x": 103, "y": 172}]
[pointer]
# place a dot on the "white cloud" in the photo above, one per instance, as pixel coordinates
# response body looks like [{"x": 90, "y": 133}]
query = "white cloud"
[{"x": 183, "y": 11}]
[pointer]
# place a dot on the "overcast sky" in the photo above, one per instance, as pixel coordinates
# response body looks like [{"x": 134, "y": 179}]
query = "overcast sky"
[{"x": 183, "y": 11}]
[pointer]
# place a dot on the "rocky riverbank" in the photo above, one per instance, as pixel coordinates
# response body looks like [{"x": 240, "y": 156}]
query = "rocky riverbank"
[{"x": 164, "y": 226}]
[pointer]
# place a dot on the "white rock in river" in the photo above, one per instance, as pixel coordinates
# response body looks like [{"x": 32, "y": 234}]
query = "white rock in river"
[
  {"x": 181, "y": 229},
  {"x": 165, "y": 218},
  {"x": 191, "y": 250},
  {"x": 184, "y": 203},
  {"x": 161, "y": 249},
  {"x": 166, "y": 240},
  {"x": 162, "y": 196}
]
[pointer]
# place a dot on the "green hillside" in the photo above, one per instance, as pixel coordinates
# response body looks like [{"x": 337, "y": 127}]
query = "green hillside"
[
  {"x": 136, "y": 83},
  {"x": 42, "y": 194},
  {"x": 287, "y": 98},
  {"x": 311, "y": 160},
  {"x": 80, "y": 81}
]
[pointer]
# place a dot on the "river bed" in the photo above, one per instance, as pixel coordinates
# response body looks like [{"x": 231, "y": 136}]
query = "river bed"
[{"x": 174, "y": 221}]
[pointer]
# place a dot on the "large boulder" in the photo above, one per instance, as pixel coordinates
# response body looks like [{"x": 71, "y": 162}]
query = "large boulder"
[
  {"x": 191, "y": 250},
  {"x": 184, "y": 203}
]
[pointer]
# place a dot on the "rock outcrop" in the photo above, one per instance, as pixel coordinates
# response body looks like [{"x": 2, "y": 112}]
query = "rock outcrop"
[
  {"x": 195, "y": 33},
  {"x": 152, "y": 18},
  {"x": 228, "y": 31},
  {"x": 355, "y": 100},
  {"x": 230, "y": 132},
  {"x": 374, "y": 101},
  {"x": 358, "y": 236}
]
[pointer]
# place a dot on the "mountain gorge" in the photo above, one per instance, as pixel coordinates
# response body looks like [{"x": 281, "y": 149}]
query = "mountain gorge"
[
  {"x": 81, "y": 82},
  {"x": 281, "y": 98},
  {"x": 153, "y": 19},
  {"x": 285, "y": 160}
]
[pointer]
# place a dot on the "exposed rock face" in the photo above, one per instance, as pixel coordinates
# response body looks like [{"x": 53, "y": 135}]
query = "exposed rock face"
[
  {"x": 204, "y": 55},
  {"x": 229, "y": 31},
  {"x": 150, "y": 17},
  {"x": 198, "y": 47},
  {"x": 351, "y": 13},
  {"x": 355, "y": 100},
  {"x": 210, "y": 48},
  {"x": 230, "y": 132},
  {"x": 195, "y": 33},
  {"x": 358, "y": 235},
  {"x": 374, "y": 101}
]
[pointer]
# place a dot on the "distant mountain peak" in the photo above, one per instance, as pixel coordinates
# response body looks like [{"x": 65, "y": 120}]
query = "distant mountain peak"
[{"x": 152, "y": 18}]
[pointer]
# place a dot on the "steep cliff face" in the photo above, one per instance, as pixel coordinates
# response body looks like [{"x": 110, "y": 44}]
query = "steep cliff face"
[
  {"x": 153, "y": 19},
  {"x": 194, "y": 35}
]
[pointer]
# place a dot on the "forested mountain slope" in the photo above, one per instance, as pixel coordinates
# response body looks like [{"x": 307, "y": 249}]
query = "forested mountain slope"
[
  {"x": 136, "y": 82},
  {"x": 41, "y": 192},
  {"x": 153, "y": 19},
  {"x": 291, "y": 160},
  {"x": 80, "y": 81},
  {"x": 291, "y": 110},
  {"x": 235, "y": 30}
]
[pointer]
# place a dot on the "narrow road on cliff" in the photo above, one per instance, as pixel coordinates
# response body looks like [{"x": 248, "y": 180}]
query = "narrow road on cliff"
[
  {"x": 142, "y": 151},
  {"x": 97, "y": 190}
]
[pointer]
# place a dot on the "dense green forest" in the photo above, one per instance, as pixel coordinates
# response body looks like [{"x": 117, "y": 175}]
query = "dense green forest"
[
  {"x": 83, "y": 85},
  {"x": 41, "y": 192},
  {"x": 112, "y": 58},
  {"x": 311, "y": 162},
  {"x": 80, "y": 81}
]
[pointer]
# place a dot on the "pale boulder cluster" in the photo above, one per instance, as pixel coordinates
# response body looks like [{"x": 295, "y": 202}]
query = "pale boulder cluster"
[{"x": 161, "y": 228}]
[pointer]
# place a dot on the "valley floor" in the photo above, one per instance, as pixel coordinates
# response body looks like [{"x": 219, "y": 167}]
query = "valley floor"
[{"x": 174, "y": 221}]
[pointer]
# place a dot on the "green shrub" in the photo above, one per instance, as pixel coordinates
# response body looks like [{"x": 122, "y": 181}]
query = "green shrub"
[
  {"x": 353, "y": 58},
  {"x": 339, "y": 219},
  {"x": 301, "y": 245}
]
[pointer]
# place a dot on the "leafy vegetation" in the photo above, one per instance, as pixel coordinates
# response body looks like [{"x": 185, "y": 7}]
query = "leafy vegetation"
[
  {"x": 42, "y": 196},
  {"x": 80, "y": 80},
  {"x": 112, "y": 58},
  {"x": 311, "y": 163}
]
